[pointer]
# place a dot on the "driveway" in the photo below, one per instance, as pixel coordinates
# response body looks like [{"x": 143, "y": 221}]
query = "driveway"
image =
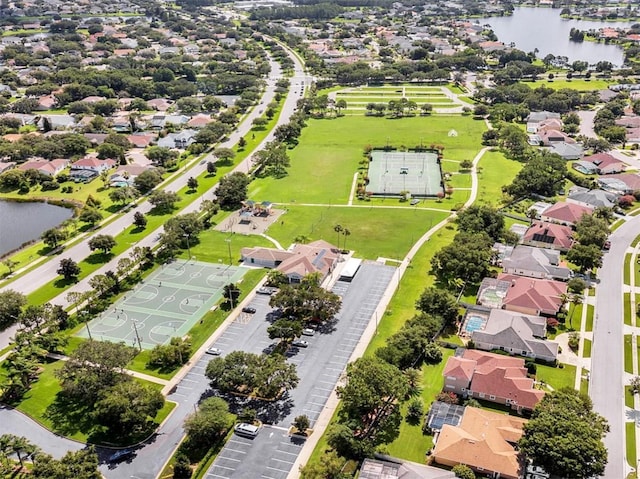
[{"x": 586, "y": 123}]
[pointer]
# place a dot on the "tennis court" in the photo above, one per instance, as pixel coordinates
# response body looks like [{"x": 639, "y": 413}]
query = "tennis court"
[
  {"x": 168, "y": 303},
  {"x": 392, "y": 172}
]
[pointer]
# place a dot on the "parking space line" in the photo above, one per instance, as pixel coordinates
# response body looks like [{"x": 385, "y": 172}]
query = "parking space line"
[
  {"x": 235, "y": 450},
  {"x": 276, "y": 469},
  {"x": 216, "y": 475},
  {"x": 223, "y": 467}
]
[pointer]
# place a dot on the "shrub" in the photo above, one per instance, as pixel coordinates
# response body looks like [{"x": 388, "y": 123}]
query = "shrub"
[
  {"x": 301, "y": 423},
  {"x": 415, "y": 410},
  {"x": 53, "y": 185}
]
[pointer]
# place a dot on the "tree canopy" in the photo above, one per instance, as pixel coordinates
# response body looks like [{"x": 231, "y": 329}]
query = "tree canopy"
[
  {"x": 564, "y": 436},
  {"x": 306, "y": 301}
]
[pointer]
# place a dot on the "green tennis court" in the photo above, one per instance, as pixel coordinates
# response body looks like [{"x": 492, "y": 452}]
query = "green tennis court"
[{"x": 168, "y": 303}]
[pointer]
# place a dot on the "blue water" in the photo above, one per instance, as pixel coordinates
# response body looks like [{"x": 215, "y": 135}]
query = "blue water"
[{"x": 474, "y": 323}]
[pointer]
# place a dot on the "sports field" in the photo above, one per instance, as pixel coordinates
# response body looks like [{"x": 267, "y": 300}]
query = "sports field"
[
  {"x": 168, "y": 303},
  {"x": 392, "y": 172}
]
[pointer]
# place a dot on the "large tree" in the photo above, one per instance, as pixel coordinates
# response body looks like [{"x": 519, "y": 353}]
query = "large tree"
[
  {"x": 273, "y": 160},
  {"x": 53, "y": 236},
  {"x": 82, "y": 464},
  {"x": 209, "y": 423},
  {"x": 564, "y": 436},
  {"x": 369, "y": 414},
  {"x": 68, "y": 268},
  {"x": 543, "y": 174},
  {"x": 466, "y": 259},
  {"x": 104, "y": 243},
  {"x": 148, "y": 180},
  {"x": 11, "y": 304},
  {"x": 476, "y": 219},
  {"x": 438, "y": 302},
  {"x": 128, "y": 408},
  {"x": 232, "y": 190},
  {"x": 586, "y": 257},
  {"x": 164, "y": 201},
  {"x": 307, "y": 301},
  {"x": 592, "y": 230},
  {"x": 94, "y": 367}
]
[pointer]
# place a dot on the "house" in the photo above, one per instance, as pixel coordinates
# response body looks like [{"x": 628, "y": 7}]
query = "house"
[
  {"x": 535, "y": 117},
  {"x": 622, "y": 183},
  {"x": 50, "y": 168},
  {"x": 591, "y": 198},
  {"x": 56, "y": 122},
  {"x": 93, "y": 164},
  {"x": 485, "y": 441},
  {"x": 160, "y": 104},
  {"x": 540, "y": 207},
  {"x": 538, "y": 297},
  {"x": 46, "y": 102},
  {"x": 491, "y": 377},
  {"x": 141, "y": 141},
  {"x": 6, "y": 165},
  {"x": 567, "y": 150},
  {"x": 536, "y": 263},
  {"x": 96, "y": 138},
  {"x": 548, "y": 235},
  {"x": 606, "y": 164},
  {"x": 549, "y": 137},
  {"x": 565, "y": 213},
  {"x": 199, "y": 121},
  {"x": 181, "y": 139},
  {"x": 397, "y": 469},
  {"x": 297, "y": 262},
  {"x": 516, "y": 333}
]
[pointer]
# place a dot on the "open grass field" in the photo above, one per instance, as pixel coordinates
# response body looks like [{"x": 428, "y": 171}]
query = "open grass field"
[
  {"x": 412, "y": 444},
  {"x": 328, "y": 155},
  {"x": 495, "y": 171},
  {"x": 581, "y": 84},
  {"x": 374, "y": 231}
]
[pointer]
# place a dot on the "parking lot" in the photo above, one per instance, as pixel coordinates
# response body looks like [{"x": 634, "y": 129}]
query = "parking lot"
[{"x": 272, "y": 453}]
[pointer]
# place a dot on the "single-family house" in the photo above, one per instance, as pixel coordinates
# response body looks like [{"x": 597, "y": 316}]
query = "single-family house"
[
  {"x": 93, "y": 164},
  {"x": 56, "y": 122},
  {"x": 516, "y": 333},
  {"x": 548, "y": 235},
  {"x": 540, "y": 207},
  {"x": 199, "y": 121},
  {"x": 620, "y": 183},
  {"x": 536, "y": 263},
  {"x": 549, "y": 137},
  {"x": 160, "y": 104},
  {"x": 567, "y": 150},
  {"x": 491, "y": 377},
  {"x": 606, "y": 164},
  {"x": 180, "y": 140},
  {"x": 46, "y": 102},
  {"x": 96, "y": 138},
  {"x": 538, "y": 297},
  {"x": 591, "y": 198},
  {"x": 565, "y": 213},
  {"x": 7, "y": 165},
  {"x": 141, "y": 141},
  {"x": 47, "y": 167},
  {"x": 485, "y": 441},
  {"x": 297, "y": 262}
]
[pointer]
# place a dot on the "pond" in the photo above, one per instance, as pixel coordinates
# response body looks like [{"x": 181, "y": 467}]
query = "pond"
[
  {"x": 543, "y": 28},
  {"x": 22, "y": 222}
]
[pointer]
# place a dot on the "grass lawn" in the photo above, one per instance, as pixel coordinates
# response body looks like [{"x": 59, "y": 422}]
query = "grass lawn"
[
  {"x": 590, "y": 313},
  {"x": 627, "y": 308},
  {"x": 636, "y": 273},
  {"x": 575, "y": 316},
  {"x": 330, "y": 150},
  {"x": 575, "y": 84},
  {"x": 42, "y": 395},
  {"x": 586, "y": 353},
  {"x": 412, "y": 444},
  {"x": 628, "y": 354},
  {"x": 495, "y": 171},
  {"x": 637, "y": 240},
  {"x": 374, "y": 231},
  {"x": 628, "y": 397},
  {"x": 557, "y": 378},
  {"x": 626, "y": 272},
  {"x": 630, "y": 436},
  {"x": 212, "y": 246}
]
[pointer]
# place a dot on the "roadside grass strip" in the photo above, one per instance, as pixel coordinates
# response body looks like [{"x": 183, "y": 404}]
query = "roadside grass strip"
[
  {"x": 586, "y": 352},
  {"x": 627, "y": 272},
  {"x": 590, "y": 315},
  {"x": 630, "y": 440},
  {"x": 627, "y": 308},
  {"x": 628, "y": 355}
]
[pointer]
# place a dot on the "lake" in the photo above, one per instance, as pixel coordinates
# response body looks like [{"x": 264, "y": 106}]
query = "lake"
[
  {"x": 543, "y": 28},
  {"x": 22, "y": 222}
]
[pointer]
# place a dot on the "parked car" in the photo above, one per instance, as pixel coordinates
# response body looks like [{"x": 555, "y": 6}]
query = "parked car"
[
  {"x": 266, "y": 290},
  {"x": 308, "y": 332},
  {"x": 247, "y": 430},
  {"x": 214, "y": 351},
  {"x": 121, "y": 455},
  {"x": 300, "y": 343},
  {"x": 248, "y": 309}
]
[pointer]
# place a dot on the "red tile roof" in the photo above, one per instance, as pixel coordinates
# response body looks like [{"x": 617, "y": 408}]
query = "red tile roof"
[
  {"x": 542, "y": 295},
  {"x": 541, "y": 231},
  {"x": 566, "y": 212}
]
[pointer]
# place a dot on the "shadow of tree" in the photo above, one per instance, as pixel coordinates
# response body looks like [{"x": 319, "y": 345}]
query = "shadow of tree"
[{"x": 69, "y": 416}]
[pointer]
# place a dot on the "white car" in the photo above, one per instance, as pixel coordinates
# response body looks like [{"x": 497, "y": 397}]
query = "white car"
[
  {"x": 247, "y": 430},
  {"x": 300, "y": 343},
  {"x": 308, "y": 332},
  {"x": 214, "y": 351}
]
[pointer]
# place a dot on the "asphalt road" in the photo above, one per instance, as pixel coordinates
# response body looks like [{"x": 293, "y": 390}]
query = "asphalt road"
[
  {"x": 272, "y": 453},
  {"x": 607, "y": 383},
  {"x": 47, "y": 272}
]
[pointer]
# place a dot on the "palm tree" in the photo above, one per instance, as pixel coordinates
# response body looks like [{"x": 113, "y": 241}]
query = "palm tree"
[
  {"x": 346, "y": 233},
  {"x": 338, "y": 229},
  {"x": 20, "y": 446}
]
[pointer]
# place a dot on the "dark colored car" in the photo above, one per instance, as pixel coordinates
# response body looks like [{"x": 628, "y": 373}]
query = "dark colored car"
[{"x": 248, "y": 309}]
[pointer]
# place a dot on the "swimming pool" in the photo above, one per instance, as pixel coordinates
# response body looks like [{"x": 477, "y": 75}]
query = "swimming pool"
[{"x": 474, "y": 323}]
